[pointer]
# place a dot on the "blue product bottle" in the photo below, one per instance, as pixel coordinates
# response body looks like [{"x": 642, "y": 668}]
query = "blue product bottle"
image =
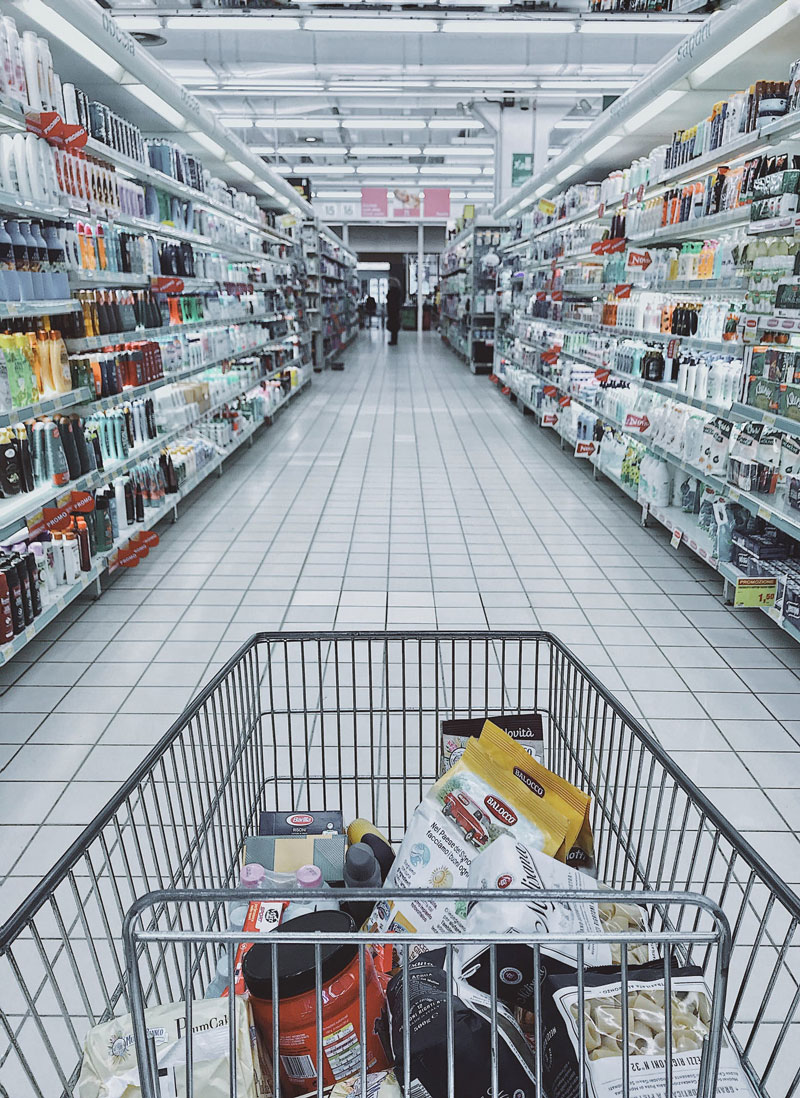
[{"x": 21, "y": 261}]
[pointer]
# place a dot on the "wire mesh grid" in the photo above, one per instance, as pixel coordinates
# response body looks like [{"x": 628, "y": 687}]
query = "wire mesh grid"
[{"x": 351, "y": 721}]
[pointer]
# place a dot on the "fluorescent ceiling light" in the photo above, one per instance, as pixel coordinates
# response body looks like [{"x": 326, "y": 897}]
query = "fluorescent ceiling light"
[
  {"x": 455, "y": 124},
  {"x": 777, "y": 18},
  {"x": 377, "y": 25},
  {"x": 309, "y": 123},
  {"x": 509, "y": 26},
  {"x": 61, "y": 30},
  {"x": 146, "y": 23},
  {"x": 378, "y": 123},
  {"x": 375, "y": 265},
  {"x": 573, "y": 124},
  {"x": 242, "y": 169},
  {"x": 385, "y": 150},
  {"x": 565, "y": 173},
  {"x": 638, "y": 26},
  {"x": 245, "y": 24},
  {"x": 284, "y": 201},
  {"x": 311, "y": 148},
  {"x": 323, "y": 169},
  {"x": 445, "y": 169},
  {"x": 653, "y": 108},
  {"x": 236, "y": 121},
  {"x": 387, "y": 169},
  {"x": 267, "y": 188},
  {"x": 602, "y": 146},
  {"x": 555, "y": 150},
  {"x": 337, "y": 194},
  {"x": 458, "y": 150},
  {"x": 160, "y": 106},
  {"x": 576, "y": 83},
  {"x": 206, "y": 142}
]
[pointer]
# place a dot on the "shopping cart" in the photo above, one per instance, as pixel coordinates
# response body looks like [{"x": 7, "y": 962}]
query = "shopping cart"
[{"x": 352, "y": 721}]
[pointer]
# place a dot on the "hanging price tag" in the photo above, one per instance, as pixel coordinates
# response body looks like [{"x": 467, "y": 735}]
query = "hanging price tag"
[
  {"x": 505, "y": 390},
  {"x": 602, "y": 375},
  {"x": 758, "y": 591},
  {"x": 675, "y": 540},
  {"x": 764, "y": 513},
  {"x": 622, "y": 289},
  {"x": 550, "y": 391},
  {"x": 557, "y": 295},
  {"x": 565, "y": 401},
  {"x": 167, "y": 284}
]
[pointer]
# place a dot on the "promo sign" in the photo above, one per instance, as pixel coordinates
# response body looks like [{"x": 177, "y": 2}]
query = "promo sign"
[
  {"x": 759, "y": 591},
  {"x": 638, "y": 423},
  {"x": 584, "y": 448},
  {"x": 638, "y": 260}
]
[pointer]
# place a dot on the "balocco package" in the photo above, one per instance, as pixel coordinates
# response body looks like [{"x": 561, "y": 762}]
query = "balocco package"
[
  {"x": 511, "y": 865},
  {"x": 647, "y": 1043},
  {"x": 110, "y": 1067},
  {"x": 475, "y": 802}
]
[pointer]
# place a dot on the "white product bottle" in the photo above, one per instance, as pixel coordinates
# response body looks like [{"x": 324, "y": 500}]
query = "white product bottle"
[
  {"x": 20, "y": 148},
  {"x": 72, "y": 557},
  {"x": 309, "y": 877},
  {"x": 16, "y": 68},
  {"x": 32, "y": 62},
  {"x": 701, "y": 380},
  {"x": 36, "y": 170}
]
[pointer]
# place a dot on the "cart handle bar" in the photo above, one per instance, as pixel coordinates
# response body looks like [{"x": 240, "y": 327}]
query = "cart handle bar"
[{"x": 47, "y": 886}]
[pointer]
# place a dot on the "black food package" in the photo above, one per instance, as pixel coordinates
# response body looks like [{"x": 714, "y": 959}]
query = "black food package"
[
  {"x": 427, "y": 1021},
  {"x": 528, "y": 728}
]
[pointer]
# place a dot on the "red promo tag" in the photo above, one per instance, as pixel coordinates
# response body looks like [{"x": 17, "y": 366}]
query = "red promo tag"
[
  {"x": 598, "y": 247},
  {"x": 622, "y": 289},
  {"x": 57, "y": 518},
  {"x": 626, "y": 199},
  {"x": 601, "y": 209},
  {"x": 639, "y": 423},
  {"x": 505, "y": 390},
  {"x": 138, "y": 546},
  {"x": 73, "y": 135},
  {"x": 565, "y": 401},
  {"x": 127, "y": 557},
  {"x": 640, "y": 192},
  {"x": 493, "y": 378},
  {"x": 639, "y": 259},
  {"x": 549, "y": 356},
  {"x": 550, "y": 391},
  {"x": 616, "y": 244},
  {"x": 673, "y": 347},
  {"x": 540, "y": 295},
  {"x": 82, "y": 502},
  {"x": 602, "y": 375},
  {"x": 549, "y": 420},
  {"x": 584, "y": 449},
  {"x": 557, "y": 295},
  {"x": 46, "y": 124},
  {"x": 167, "y": 284},
  {"x": 150, "y": 538}
]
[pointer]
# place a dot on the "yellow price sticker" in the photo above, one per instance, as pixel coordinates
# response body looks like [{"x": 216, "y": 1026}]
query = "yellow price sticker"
[
  {"x": 547, "y": 207},
  {"x": 759, "y": 591}
]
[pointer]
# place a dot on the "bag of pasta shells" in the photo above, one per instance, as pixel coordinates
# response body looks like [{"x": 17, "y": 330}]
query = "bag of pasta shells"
[
  {"x": 525, "y": 872},
  {"x": 648, "y": 1042}
]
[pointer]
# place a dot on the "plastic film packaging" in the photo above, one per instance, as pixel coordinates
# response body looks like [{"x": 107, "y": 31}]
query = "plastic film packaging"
[
  {"x": 551, "y": 790},
  {"x": 470, "y": 806},
  {"x": 647, "y": 1041},
  {"x": 110, "y": 1068},
  {"x": 509, "y": 865},
  {"x": 381, "y": 1084}
]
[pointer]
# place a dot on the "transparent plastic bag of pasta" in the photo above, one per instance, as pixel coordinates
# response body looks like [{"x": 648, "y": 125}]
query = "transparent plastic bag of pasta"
[
  {"x": 647, "y": 1038},
  {"x": 510, "y": 865}
]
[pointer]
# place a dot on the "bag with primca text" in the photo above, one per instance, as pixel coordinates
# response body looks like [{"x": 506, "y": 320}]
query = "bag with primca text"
[{"x": 110, "y": 1068}]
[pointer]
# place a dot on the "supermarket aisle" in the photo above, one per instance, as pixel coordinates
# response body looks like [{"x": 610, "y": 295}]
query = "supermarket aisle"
[{"x": 404, "y": 493}]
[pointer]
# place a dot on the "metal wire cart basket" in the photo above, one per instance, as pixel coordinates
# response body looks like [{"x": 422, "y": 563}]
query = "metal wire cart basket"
[{"x": 132, "y": 916}]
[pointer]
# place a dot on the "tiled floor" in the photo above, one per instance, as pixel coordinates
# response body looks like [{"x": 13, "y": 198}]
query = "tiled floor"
[{"x": 402, "y": 493}]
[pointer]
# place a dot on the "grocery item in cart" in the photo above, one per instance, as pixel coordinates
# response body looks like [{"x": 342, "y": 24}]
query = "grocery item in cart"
[
  {"x": 510, "y": 865},
  {"x": 647, "y": 1042},
  {"x": 551, "y": 789},
  {"x": 526, "y": 728},
  {"x": 382, "y": 1084},
  {"x": 475, "y": 802},
  {"x": 288, "y": 853},
  {"x": 110, "y": 1068},
  {"x": 297, "y": 1009},
  {"x": 426, "y": 982}
]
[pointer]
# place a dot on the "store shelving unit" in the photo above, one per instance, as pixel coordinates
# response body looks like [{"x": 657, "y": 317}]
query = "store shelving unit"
[
  {"x": 468, "y": 290},
  {"x": 332, "y": 287},
  {"x": 553, "y": 291},
  {"x": 250, "y": 277}
]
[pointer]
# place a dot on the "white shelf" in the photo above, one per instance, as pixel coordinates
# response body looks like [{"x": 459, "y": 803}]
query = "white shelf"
[
  {"x": 11, "y": 309},
  {"x": 47, "y": 406}
]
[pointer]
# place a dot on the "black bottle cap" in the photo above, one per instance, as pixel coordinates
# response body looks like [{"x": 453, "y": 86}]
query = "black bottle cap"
[{"x": 296, "y": 963}]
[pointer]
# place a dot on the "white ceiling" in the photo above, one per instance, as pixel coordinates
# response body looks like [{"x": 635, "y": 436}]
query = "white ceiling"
[{"x": 356, "y": 102}]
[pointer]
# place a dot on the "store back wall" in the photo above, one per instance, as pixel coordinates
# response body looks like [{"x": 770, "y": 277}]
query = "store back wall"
[{"x": 393, "y": 238}]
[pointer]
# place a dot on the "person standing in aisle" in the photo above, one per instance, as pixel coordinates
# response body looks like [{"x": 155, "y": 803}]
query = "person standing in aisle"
[{"x": 394, "y": 303}]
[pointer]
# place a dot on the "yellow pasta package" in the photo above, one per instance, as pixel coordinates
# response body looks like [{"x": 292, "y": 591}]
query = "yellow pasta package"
[
  {"x": 468, "y": 808},
  {"x": 553, "y": 791}
]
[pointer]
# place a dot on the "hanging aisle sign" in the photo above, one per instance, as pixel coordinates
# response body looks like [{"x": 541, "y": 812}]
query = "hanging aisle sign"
[{"x": 374, "y": 202}]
